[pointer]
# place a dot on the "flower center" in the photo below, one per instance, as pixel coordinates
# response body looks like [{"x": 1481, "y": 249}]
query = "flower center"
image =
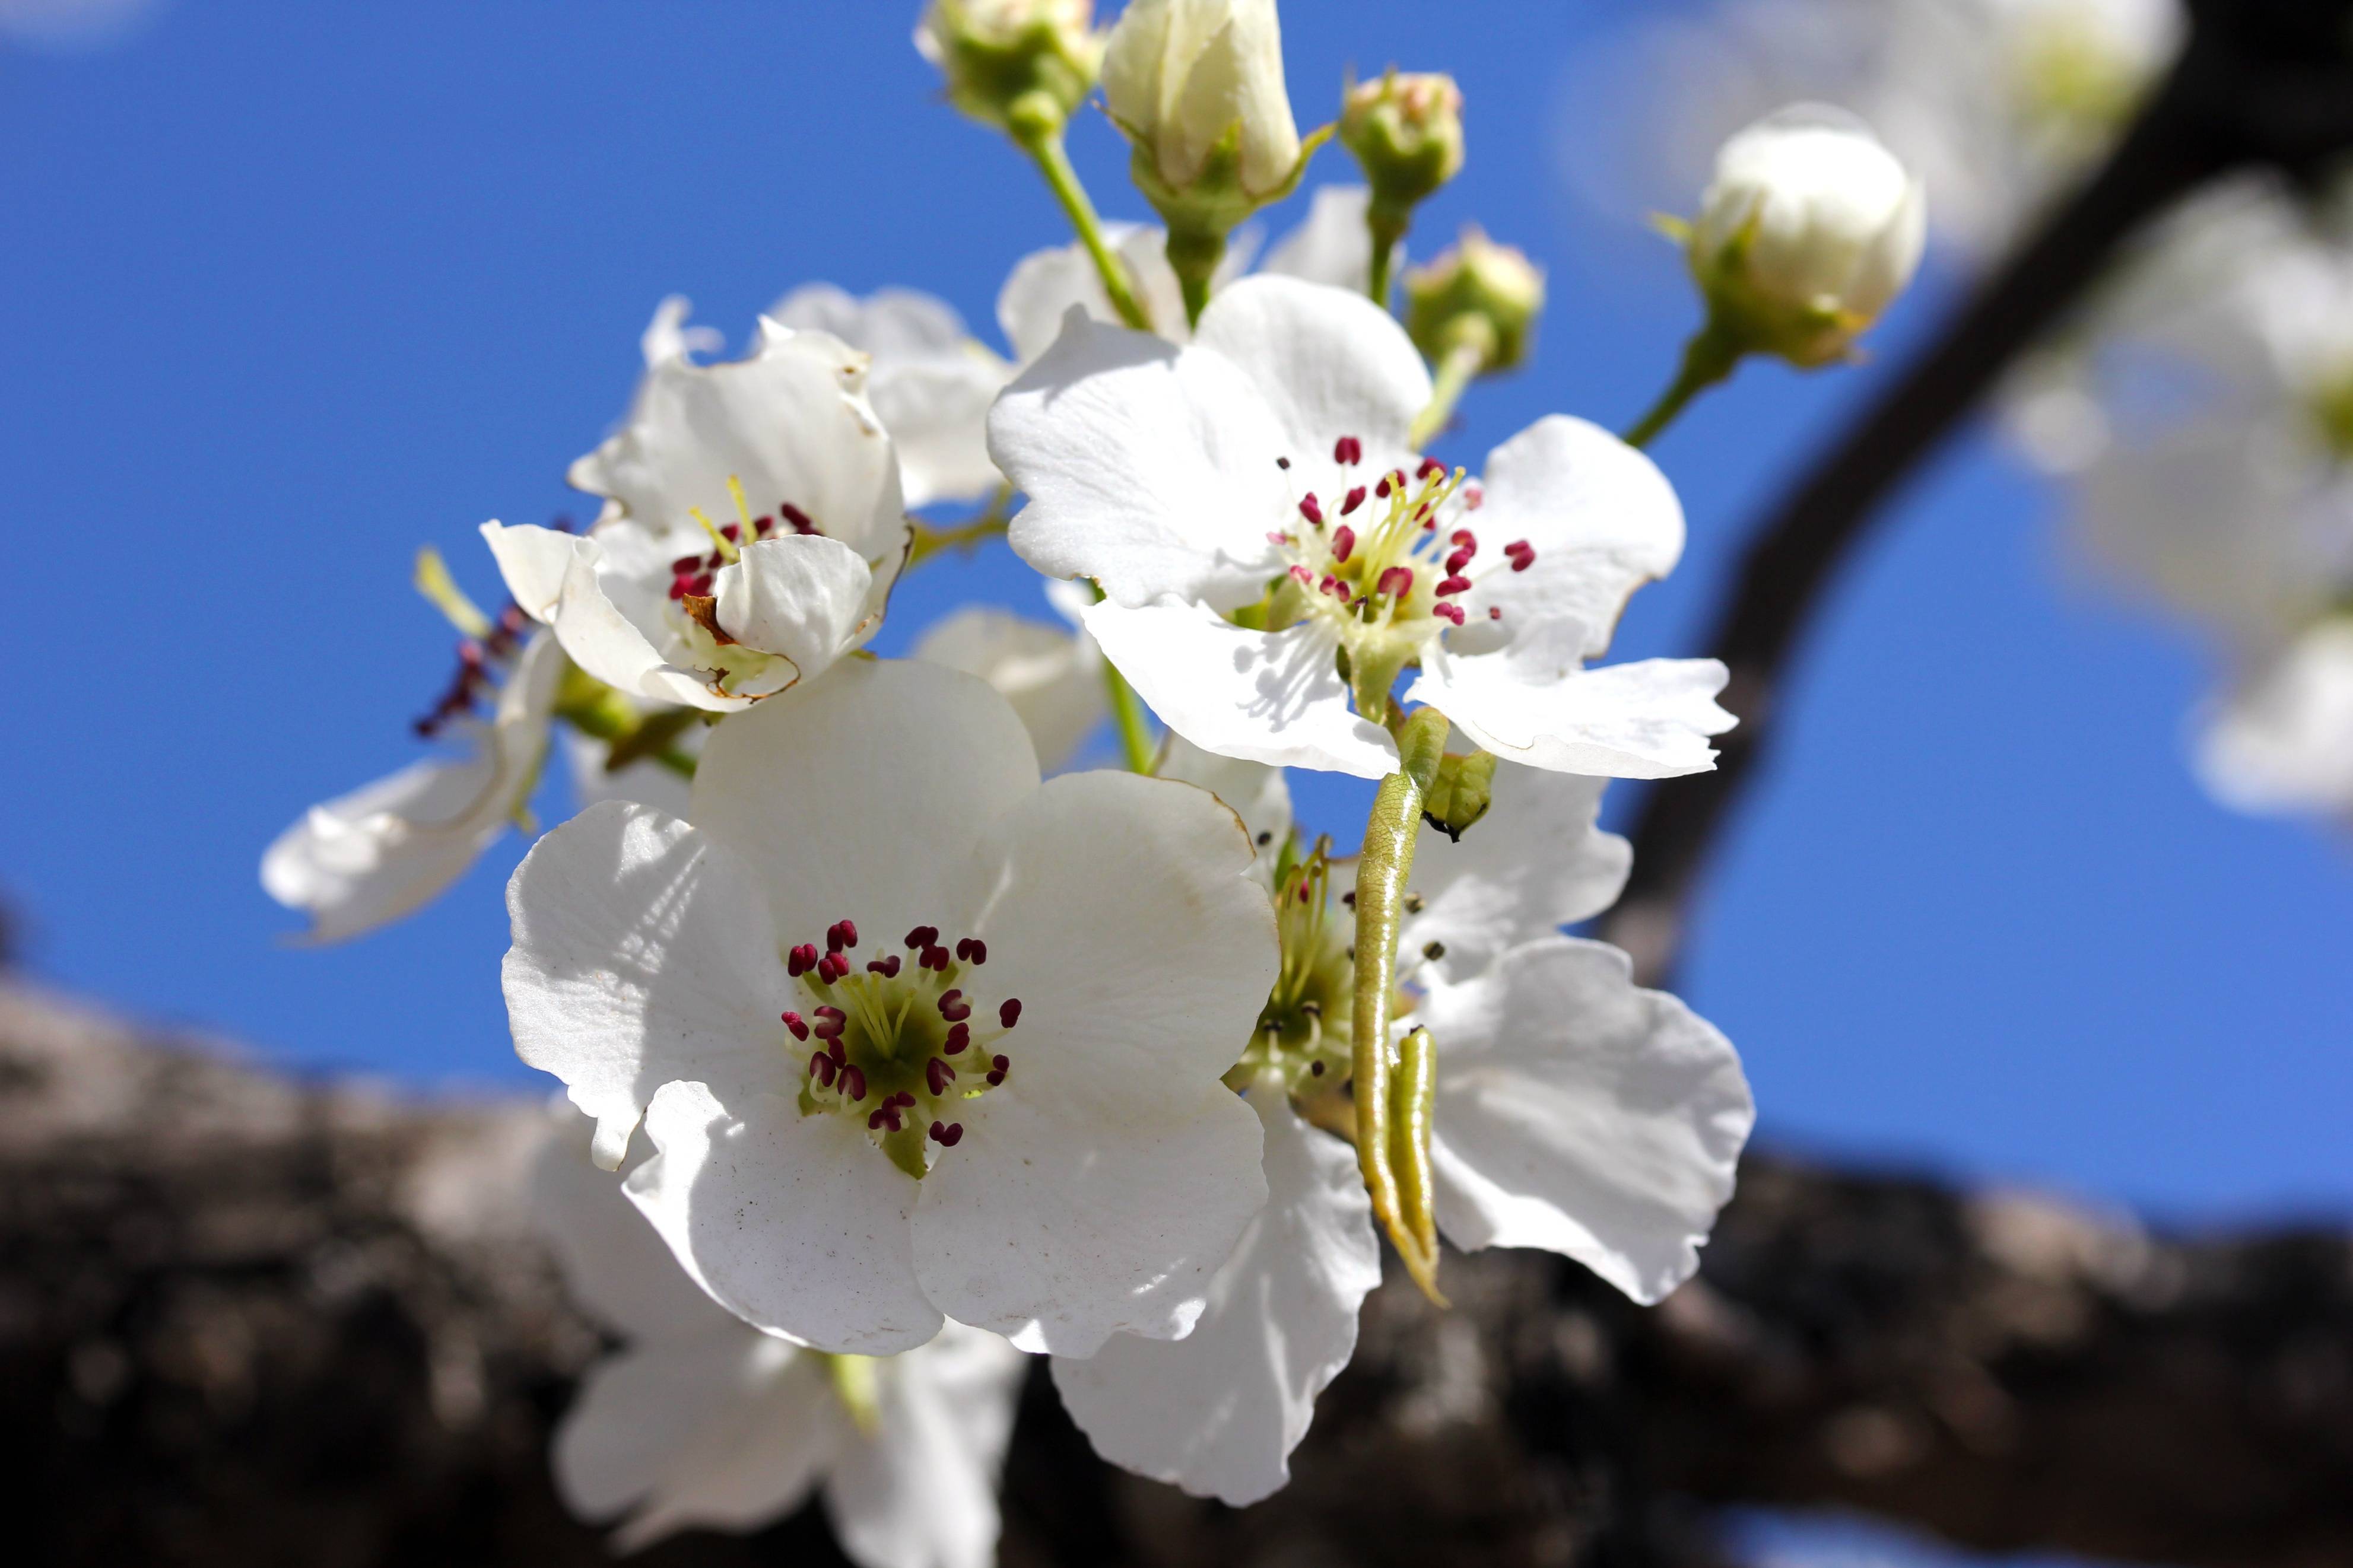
[
  {"x": 1385, "y": 561},
  {"x": 1303, "y": 1031},
  {"x": 479, "y": 659},
  {"x": 895, "y": 1037},
  {"x": 694, "y": 614}
]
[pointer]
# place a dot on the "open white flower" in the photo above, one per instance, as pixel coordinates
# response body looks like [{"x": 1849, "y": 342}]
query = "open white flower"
[
  {"x": 914, "y": 1034},
  {"x": 931, "y": 382},
  {"x": 372, "y": 856},
  {"x": 1268, "y": 540},
  {"x": 701, "y": 1420},
  {"x": 1052, "y": 675},
  {"x": 751, "y": 530},
  {"x": 1576, "y": 1113}
]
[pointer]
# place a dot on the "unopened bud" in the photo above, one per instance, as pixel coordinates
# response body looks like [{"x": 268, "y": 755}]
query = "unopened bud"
[
  {"x": 1197, "y": 87},
  {"x": 1810, "y": 228},
  {"x": 1020, "y": 65},
  {"x": 1479, "y": 296},
  {"x": 1406, "y": 131},
  {"x": 1460, "y": 793}
]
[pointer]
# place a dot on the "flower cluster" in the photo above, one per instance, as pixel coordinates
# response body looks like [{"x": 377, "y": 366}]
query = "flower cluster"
[{"x": 899, "y": 1045}]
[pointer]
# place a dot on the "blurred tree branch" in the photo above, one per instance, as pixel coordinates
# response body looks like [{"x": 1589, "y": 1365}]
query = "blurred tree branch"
[
  {"x": 249, "y": 1321},
  {"x": 2260, "y": 82}
]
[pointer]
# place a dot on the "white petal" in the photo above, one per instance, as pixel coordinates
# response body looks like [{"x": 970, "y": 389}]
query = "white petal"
[
  {"x": 861, "y": 796},
  {"x": 1045, "y": 284},
  {"x": 799, "y": 1224},
  {"x": 807, "y": 599},
  {"x": 1052, "y": 678},
  {"x": 922, "y": 1491},
  {"x": 791, "y": 422},
  {"x": 617, "y": 1267},
  {"x": 890, "y": 323},
  {"x": 1267, "y": 697},
  {"x": 533, "y": 560},
  {"x": 1099, "y": 1188},
  {"x": 372, "y": 856},
  {"x": 1327, "y": 363},
  {"x": 643, "y": 952},
  {"x": 1580, "y": 1114},
  {"x": 1332, "y": 247},
  {"x": 1535, "y": 863},
  {"x": 1148, "y": 468},
  {"x": 1256, "y": 793},
  {"x": 1533, "y": 702},
  {"x": 608, "y": 644},
  {"x": 725, "y": 1430},
  {"x": 1219, "y": 1411},
  {"x": 1602, "y": 518}
]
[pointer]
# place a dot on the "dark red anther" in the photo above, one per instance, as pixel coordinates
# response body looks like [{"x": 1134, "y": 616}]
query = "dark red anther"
[
  {"x": 947, "y": 1137},
  {"x": 678, "y": 588},
  {"x": 686, "y": 566},
  {"x": 1344, "y": 543},
  {"x": 800, "y": 961},
  {"x": 830, "y": 968},
  {"x": 1356, "y": 499},
  {"x": 959, "y": 1036},
  {"x": 887, "y": 1116},
  {"x": 888, "y": 967},
  {"x": 1282, "y": 462},
  {"x": 972, "y": 950},
  {"x": 1463, "y": 537},
  {"x": 1429, "y": 466},
  {"x": 954, "y": 1007},
  {"x": 1311, "y": 508},
  {"x": 831, "y": 1015},
  {"x": 935, "y": 959},
  {"x": 798, "y": 518},
  {"x": 1447, "y": 612},
  {"x": 1383, "y": 489},
  {"x": 1459, "y": 559},
  {"x": 938, "y": 1075},
  {"x": 848, "y": 930},
  {"x": 797, "y": 1024},
  {"x": 1347, "y": 449},
  {"x": 1522, "y": 554},
  {"x": 761, "y": 526},
  {"x": 1452, "y": 586},
  {"x": 701, "y": 587},
  {"x": 922, "y": 936},
  {"x": 1010, "y": 1011},
  {"x": 1315, "y": 1070},
  {"x": 821, "y": 1067},
  {"x": 841, "y": 1056},
  {"x": 1396, "y": 581},
  {"x": 827, "y": 1029},
  {"x": 731, "y": 533},
  {"x": 1494, "y": 612},
  {"x": 853, "y": 1082}
]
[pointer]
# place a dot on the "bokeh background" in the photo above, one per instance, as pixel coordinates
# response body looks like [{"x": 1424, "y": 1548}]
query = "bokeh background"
[{"x": 291, "y": 288}]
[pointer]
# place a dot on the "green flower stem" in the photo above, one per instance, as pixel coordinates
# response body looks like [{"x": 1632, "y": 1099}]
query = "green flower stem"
[
  {"x": 965, "y": 536},
  {"x": 1044, "y": 145},
  {"x": 1127, "y": 712},
  {"x": 1456, "y": 372},
  {"x": 1388, "y": 231},
  {"x": 1194, "y": 256},
  {"x": 1391, "y": 1097},
  {"x": 1708, "y": 359}
]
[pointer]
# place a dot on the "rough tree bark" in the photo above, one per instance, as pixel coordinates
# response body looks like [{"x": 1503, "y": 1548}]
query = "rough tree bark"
[{"x": 247, "y": 1320}]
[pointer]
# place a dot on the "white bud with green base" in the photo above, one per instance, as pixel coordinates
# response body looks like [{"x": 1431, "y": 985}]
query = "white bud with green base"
[
  {"x": 1197, "y": 87},
  {"x": 1405, "y": 129},
  {"x": 1022, "y": 66}
]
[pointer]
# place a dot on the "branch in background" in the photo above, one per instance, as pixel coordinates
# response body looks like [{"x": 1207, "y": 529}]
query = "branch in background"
[
  {"x": 2262, "y": 81},
  {"x": 245, "y": 1321}
]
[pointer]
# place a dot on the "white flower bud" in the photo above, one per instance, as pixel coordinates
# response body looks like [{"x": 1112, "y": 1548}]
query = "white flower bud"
[
  {"x": 1006, "y": 60},
  {"x": 1810, "y": 228},
  {"x": 1190, "y": 79},
  {"x": 1479, "y": 296}
]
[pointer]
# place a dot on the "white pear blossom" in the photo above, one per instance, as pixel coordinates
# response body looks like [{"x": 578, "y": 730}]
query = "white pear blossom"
[
  {"x": 1185, "y": 79},
  {"x": 383, "y": 852},
  {"x": 1267, "y": 539},
  {"x": 701, "y": 1420},
  {"x": 1808, "y": 230},
  {"x": 1051, "y": 675},
  {"x": 1575, "y": 1114},
  {"x": 751, "y": 530},
  {"x": 2284, "y": 741},
  {"x": 931, "y": 382},
  {"x": 914, "y": 1034}
]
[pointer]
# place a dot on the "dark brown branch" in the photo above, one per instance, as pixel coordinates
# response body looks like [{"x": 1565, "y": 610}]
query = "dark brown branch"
[
  {"x": 2262, "y": 81},
  {"x": 249, "y": 1322}
]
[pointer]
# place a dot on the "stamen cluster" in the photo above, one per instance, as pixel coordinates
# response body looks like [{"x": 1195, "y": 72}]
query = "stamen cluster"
[
  {"x": 477, "y": 657},
  {"x": 894, "y": 1040}
]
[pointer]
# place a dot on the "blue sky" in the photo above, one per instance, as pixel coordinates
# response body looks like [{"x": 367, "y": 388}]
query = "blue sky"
[{"x": 292, "y": 288}]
